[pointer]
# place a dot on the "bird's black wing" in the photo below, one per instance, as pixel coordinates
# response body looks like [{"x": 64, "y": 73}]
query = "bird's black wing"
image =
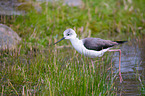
[{"x": 97, "y": 43}]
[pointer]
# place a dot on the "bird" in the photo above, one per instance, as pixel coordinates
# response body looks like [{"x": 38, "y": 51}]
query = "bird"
[{"x": 92, "y": 47}]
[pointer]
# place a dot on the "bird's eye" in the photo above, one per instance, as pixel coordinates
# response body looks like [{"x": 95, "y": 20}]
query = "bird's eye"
[{"x": 68, "y": 34}]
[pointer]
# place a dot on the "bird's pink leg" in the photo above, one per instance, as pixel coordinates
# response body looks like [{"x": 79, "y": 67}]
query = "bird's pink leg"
[{"x": 118, "y": 50}]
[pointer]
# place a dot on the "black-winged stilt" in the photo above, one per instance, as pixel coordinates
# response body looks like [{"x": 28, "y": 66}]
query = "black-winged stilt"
[{"x": 92, "y": 47}]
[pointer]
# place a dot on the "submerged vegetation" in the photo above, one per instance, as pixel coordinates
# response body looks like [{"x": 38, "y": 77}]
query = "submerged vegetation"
[{"x": 37, "y": 68}]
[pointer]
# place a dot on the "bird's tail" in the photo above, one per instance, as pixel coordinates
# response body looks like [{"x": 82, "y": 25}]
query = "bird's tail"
[{"x": 120, "y": 42}]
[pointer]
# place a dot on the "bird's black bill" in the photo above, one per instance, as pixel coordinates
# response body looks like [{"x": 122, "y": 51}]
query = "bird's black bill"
[
  {"x": 59, "y": 40},
  {"x": 120, "y": 42}
]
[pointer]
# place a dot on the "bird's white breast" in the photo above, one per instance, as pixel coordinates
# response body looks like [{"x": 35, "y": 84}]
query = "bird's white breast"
[{"x": 79, "y": 46}]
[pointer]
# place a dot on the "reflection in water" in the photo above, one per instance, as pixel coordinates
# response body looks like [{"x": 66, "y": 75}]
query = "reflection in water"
[{"x": 132, "y": 63}]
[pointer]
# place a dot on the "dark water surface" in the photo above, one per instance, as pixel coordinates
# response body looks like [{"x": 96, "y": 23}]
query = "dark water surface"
[{"x": 132, "y": 67}]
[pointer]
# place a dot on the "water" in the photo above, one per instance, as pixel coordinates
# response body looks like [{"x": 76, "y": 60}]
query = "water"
[
  {"x": 9, "y": 7},
  {"x": 68, "y": 2},
  {"x": 132, "y": 66}
]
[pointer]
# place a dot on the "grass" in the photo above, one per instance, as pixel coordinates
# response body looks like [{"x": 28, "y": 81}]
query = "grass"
[
  {"x": 51, "y": 72},
  {"x": 141, "y": 80},
  {"x": 35, "y": 68}
]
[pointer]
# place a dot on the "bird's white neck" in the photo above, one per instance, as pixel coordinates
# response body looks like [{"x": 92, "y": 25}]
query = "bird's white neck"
[
  {"x": 74, "y": 40},
  {"x": 77, "y": 44}
]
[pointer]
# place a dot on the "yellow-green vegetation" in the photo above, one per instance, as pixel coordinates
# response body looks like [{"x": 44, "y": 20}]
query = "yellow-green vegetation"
[
  {"x": 142, "y": 83},
  {"x": 54, "y": 72},
  {"x": 37, "y": 68}
]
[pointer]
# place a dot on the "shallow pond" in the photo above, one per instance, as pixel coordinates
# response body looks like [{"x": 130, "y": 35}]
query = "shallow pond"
[{"x": 132, "y": 67}]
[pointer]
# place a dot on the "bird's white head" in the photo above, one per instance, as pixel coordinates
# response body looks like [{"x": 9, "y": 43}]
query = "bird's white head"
[{"x": 69, "y": 34}]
